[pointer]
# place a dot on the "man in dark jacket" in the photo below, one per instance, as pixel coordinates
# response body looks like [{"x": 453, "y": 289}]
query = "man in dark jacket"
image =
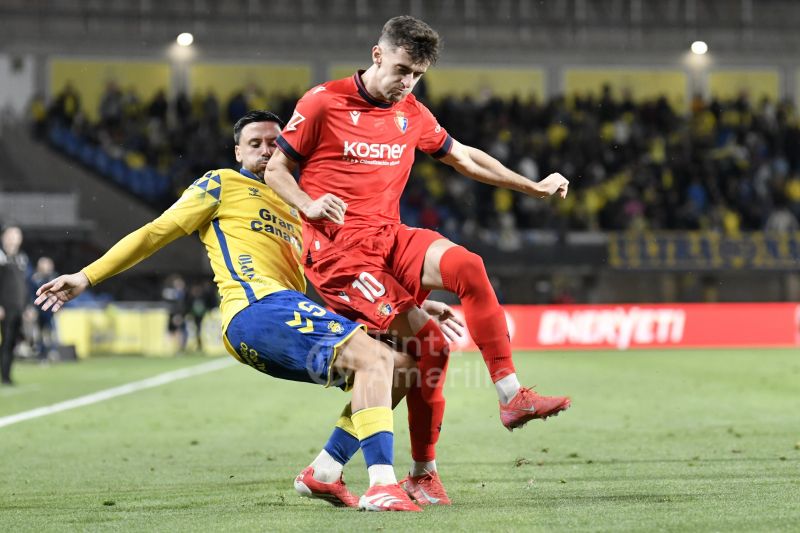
[{"x": 14, "y": 297}]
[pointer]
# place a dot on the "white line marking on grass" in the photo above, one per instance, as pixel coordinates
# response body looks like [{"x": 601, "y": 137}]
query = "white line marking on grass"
[{"x": 103, "y": 395}]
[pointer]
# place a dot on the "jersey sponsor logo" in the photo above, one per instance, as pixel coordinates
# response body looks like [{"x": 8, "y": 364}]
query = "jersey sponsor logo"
[
  {"x": 401, "y": 121},
  {"x": 296, "y": 119},
  {"x": 354, "y": 116},
  {"x": 272, "y": 224},
  {"x": 318, "y": 90},
  {"x": 254, "y": 192},
  {"x": 246, "y": 266},
  {"x": 359, "y": 152}
]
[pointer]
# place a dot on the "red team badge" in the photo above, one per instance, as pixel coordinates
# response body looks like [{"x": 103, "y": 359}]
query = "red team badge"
[{"x": 401, "y": 121}]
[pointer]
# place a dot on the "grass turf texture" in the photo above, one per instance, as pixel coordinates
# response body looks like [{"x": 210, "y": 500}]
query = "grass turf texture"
[{"x": 673, "y": 441}]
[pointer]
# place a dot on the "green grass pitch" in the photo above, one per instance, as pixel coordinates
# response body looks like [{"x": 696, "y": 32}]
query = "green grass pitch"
[{"x": 654, "y": 441}]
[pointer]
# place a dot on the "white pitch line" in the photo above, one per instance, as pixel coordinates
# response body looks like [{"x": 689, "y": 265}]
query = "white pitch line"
[{"x": 128, "y": 388}]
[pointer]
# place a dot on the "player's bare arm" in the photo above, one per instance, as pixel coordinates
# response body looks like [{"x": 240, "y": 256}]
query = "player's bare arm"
[
  {"x": 280, "y": 179},
  {"x": 482, "y": 167}
]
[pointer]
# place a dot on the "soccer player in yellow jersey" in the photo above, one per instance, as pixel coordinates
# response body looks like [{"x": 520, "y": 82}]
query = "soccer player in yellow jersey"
[{"x": 253, "y": 240}]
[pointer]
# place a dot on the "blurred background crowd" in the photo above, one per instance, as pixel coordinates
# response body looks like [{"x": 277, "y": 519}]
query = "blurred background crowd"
[{"x": 726, "y": 165}]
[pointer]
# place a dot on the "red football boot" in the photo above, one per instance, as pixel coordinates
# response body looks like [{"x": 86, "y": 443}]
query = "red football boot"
[
  {"x": 386, "y": 498},
  {"x": 335, "y": 493},
  {"x": 527, "y": 405},
  {"x": 426, "y": 489}
]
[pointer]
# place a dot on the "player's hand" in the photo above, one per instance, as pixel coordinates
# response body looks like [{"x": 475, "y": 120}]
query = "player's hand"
[
  {"x": 552, "y": 184},
  {"x": 451, "y": 325},
  {"x": 54, "y": 294},
  {"x": 328, "y": 207}
]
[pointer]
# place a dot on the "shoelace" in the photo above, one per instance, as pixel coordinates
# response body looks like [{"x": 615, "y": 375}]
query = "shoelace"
[{"x": 432, "y": 489}]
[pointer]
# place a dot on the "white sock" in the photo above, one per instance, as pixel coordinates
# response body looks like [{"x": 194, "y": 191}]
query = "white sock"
[
  {"x": 381, "y": 475},
  {"x": 326, "y": 468},
  {"x": 419, "y": 469},
  {"x": 507, "y": 388}
]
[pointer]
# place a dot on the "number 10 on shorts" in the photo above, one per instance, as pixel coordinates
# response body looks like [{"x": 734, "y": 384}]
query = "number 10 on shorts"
[{"x": 369, "y": 287}]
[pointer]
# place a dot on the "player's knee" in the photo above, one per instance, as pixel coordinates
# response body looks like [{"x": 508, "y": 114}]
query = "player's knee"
[
  {"x": 469, "y": 265},
  {"x": 403, "y": 362},
  {"x": 365, "y": 353},
  {"x": 473, "y": 264}
]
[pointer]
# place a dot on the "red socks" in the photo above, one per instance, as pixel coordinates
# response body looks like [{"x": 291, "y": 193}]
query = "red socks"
[
  {"x": 464, "y": 274},
  {"x": 425, "y": 401}
]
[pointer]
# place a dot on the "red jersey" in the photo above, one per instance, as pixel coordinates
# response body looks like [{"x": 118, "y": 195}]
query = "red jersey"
[{"x": 358, "y": 148}]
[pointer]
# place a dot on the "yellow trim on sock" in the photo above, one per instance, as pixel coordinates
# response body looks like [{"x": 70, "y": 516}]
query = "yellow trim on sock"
[
  {"x": 372, "y": 420},
  {"x": 345, "y": 422}
]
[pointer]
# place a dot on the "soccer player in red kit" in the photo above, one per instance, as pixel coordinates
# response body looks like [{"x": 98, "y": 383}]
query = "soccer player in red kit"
[{"x": 354, "y": 140}]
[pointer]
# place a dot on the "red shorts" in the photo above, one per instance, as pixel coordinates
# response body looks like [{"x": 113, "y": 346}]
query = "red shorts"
[{"x": 369, "y": 274}]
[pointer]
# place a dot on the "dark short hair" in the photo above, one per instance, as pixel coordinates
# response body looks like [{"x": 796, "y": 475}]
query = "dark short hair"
[
  {"x": 419, "y": 40},
  {"x": 259, "y": 115}
]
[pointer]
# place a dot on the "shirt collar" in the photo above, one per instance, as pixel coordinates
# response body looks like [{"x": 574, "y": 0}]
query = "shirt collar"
[
  {"x": 365, "y": 95},
  {"x": 244, "y": 172}
]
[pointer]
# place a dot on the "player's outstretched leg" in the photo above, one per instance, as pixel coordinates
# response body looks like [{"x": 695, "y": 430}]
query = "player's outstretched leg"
[
  {"x": 367, "y": 425},
  {"x": 323, "y": 478},
  {"x": 463, "y": 273}
]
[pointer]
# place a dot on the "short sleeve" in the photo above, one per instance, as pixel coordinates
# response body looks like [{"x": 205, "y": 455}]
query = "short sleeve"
[
  {"x": 301, "y": 135},
  {"x": 434, "y": 139},
  {"x": 198, "y": 205}
]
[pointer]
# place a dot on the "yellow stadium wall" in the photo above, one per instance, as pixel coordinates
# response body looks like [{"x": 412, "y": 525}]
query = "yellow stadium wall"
[
  {"x": 224, "y": 80},
  {"x": 502, "y": 82},
  {"x": 343, "y": 70},
  {"x": 125, "y": 330},
  {"x": 90, "y": 77},
  {"x": 643, "y": 84},
  {"x": 474, "y": 82},
  {"x": 727, "y": 84}
]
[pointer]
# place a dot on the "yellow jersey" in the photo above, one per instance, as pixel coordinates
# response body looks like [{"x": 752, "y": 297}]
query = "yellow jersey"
[{"x": 252, "y": 237}]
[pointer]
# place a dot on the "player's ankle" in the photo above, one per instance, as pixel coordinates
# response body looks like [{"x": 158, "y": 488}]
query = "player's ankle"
[
  {"x": 381, "y": 475},
  {"x": 507, "y": 387},
  {"x": 326, "y": 468},
  {"x": 420, "y": 468}
]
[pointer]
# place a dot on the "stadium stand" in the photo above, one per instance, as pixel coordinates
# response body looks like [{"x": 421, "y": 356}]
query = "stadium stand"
[{"x": 723, "y": 165}]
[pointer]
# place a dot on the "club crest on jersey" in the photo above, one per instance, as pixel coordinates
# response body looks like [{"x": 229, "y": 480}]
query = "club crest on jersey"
[
  {"x": 401, "y": 121},
  {"x": 335, "y": 327},
  {"x": 384, "y": 309}
]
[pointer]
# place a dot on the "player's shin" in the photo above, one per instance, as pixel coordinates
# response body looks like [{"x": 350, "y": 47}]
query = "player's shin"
[
  {"x": 342, "y": 445},
  {"x": 375, "y": 429},
  {"x": 425, "y": 399},
  {"x": 464, "y": 274}
]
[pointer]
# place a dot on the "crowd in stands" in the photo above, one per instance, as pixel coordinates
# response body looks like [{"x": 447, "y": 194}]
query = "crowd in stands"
[{"x": 729, "y": 166}]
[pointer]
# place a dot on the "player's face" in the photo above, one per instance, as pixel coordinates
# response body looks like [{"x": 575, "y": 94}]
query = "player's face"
[
  {"x": 256, "y": 146},
  {"x": 396, "y": 74},
  {"x": 12, "y": 240}
]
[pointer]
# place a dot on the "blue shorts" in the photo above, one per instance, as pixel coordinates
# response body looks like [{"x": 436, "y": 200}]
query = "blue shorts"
[{"x": 288, "y": 336}]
